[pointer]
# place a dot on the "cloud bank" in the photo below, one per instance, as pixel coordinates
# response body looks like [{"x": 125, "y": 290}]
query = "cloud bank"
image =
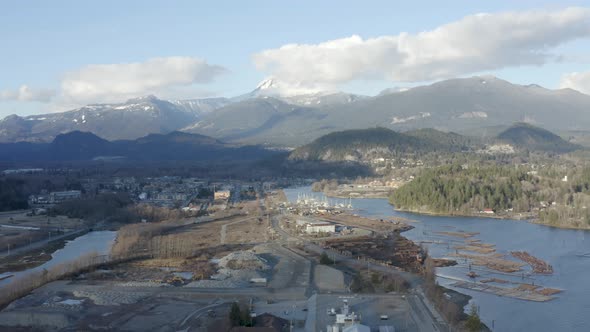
[
  {"x": 114, "y": 82},
  {"x": 576, "y": 81},
  {"x": 472, "y": 44},
  {"x": 25, "y": 93}
]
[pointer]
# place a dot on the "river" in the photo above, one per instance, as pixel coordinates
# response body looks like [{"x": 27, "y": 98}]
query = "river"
[
  {"x": 98, "y": 241},
  {"x": 569, "y": 311}
]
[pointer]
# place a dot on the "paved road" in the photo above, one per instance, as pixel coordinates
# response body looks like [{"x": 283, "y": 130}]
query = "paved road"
[
  {"x": 423, "y": 316},
  {"x": 199, "y": 311}
]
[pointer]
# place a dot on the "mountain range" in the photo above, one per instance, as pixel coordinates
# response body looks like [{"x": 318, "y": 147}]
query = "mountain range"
[
  {"x": 174, "y": 146},
  {"x": 484, "y": 105},
  {"x": 357, "y": 145},
  {"x": 361, "y": 145}
]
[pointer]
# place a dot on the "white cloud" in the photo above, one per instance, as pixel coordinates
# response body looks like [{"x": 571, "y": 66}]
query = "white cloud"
[
  {"x": 475, "y": 43},
  {"x": 25, "y": 93},
  {"x": 115, "y": 82},
  {"x": 576, "y": 81}
]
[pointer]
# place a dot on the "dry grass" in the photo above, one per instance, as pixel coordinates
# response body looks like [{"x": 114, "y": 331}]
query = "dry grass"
[
  {"x": 16, "y": 237},
  {"x": 201, "y": 267},
  {"x": 249, "y": 231},
  {"x": 22, "y": 286},
  {"x": 177, "y": 240},
  {"x": 20, "y": 237},
  {"x": 21, "y": 219},
  {"x": 159, "y": 262}
]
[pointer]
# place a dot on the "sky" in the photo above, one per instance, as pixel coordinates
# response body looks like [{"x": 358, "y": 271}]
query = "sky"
[{"x": 59, "y": 55}]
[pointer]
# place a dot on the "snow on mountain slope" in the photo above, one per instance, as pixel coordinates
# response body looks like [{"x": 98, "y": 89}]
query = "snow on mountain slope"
[{"x": 132, "y": 119}]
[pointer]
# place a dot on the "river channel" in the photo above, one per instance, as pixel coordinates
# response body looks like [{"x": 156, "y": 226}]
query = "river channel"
[
  {"x": 564, "y": 249},
  {"x": 98, "y": 241}
]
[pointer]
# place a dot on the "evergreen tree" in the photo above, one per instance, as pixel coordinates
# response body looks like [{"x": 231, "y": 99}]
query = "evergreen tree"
[
  {"x": 246, "y": 319},
  {"x": 234, "y": 314},
  {"x": 474, "y": 323},
  {"x": 324, "y": 259}
]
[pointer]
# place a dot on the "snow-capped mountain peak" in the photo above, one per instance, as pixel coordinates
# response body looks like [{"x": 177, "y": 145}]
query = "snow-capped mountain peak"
[
  {"x": 298, "y": 94},
  {"x": 267, "y": 84},
  {"x": 142, "y": 99}
]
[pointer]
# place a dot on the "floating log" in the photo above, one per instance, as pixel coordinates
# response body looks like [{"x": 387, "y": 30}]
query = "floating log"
[
  {"x": 538, "y": 265},
  {"x": 516, "y": 293}
]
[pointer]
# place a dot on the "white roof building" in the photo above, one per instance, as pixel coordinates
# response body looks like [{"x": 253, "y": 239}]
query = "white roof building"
[{"x": 320, "y": 228}]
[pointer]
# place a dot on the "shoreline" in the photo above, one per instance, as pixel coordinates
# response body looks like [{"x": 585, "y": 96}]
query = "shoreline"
[
  {"x": 331, "y": 195},
  {"x": 461, "y": 215},
  {"x": 533, "y": 221},
  {"x": 529, "y": 219},
  {"x": 43, "y": 254},
  {"x": 344, "y": 195},
  {"x": 465, "y": 215}
]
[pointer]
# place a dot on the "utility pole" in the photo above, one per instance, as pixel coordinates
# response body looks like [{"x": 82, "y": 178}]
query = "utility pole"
[{"x": 8, "y": 254}]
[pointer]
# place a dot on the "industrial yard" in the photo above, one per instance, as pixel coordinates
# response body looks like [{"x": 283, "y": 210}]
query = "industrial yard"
[{"x": 267, "y": 262}]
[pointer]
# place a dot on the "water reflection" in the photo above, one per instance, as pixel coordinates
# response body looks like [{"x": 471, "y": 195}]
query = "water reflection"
[{"x": 99, "y": 242}]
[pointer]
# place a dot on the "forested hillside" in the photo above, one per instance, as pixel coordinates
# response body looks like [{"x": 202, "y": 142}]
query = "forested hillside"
[
  {"x": 456, "y": 189},
  {"x": 529, "y": 137},
  {"x": 365, "y": 144},
  {"x": 554, "y": 195}
]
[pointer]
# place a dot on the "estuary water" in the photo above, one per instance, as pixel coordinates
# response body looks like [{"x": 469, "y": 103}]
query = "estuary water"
[{"x": 562, "y": 248}]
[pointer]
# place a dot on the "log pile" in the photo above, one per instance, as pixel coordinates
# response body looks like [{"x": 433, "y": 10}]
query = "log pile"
[{"x": 538, "y": 265}]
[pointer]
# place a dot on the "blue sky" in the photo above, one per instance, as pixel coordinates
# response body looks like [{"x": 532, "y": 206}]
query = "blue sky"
[{"x": 46, "y": 42}]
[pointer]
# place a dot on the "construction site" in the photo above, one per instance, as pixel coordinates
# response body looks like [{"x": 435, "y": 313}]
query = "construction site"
[{"x": 186, "y": 275}]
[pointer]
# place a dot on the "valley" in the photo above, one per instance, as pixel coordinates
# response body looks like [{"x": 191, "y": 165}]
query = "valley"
[
  {"x": 263, "y": 166},
  {"x": 186, "y": 272}
]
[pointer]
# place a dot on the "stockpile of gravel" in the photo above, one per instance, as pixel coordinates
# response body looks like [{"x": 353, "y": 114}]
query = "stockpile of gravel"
[
  {"x": 243, "y": 260},
  {"x": 235, "y": 271},
  {"x": 100, "y": 297}
]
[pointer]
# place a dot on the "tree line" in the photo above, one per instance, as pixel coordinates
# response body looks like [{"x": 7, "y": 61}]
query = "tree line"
[{"x": 463, "y": 189}]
